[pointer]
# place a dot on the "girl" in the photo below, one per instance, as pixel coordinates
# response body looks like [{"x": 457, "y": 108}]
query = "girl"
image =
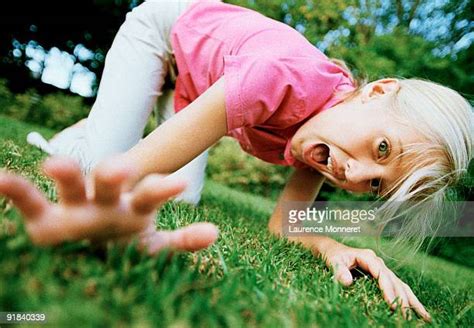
[{"x": 241, "y": 74}]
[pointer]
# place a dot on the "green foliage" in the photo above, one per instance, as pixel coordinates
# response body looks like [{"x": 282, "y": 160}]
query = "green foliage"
[
  {"x": 377, "y": 38},
  {"x": 249, "y": 278},
  {"x": 55, "y": 111},
  {"x": 400, "y": 54},
  {"x": 229, "y": 165}
]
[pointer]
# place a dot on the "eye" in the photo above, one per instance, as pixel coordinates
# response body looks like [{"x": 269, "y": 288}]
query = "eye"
[
  {"x": 375, "y": 185},
  {"x": 383, "y": 149}
]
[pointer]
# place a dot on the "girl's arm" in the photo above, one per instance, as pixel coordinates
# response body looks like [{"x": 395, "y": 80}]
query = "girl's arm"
[
  {"x": 303, "y": 186},
  {"x": 112, "y": 205},
  {"x": 184, "y": 136}
]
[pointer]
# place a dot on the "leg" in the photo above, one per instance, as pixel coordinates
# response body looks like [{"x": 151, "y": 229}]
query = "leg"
[
  {"x": 133, "y": 76},
  {"x": 132, "y": 80}
]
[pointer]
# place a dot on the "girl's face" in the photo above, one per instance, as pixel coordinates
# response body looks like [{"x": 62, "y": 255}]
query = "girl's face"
[{"x": 357, "y": 145}]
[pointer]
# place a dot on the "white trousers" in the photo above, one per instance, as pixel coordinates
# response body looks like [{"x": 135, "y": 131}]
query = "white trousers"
[{"x": 132, "y": 84}]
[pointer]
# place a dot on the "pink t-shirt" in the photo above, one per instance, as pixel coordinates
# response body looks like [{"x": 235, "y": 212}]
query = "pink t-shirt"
[{"x": 275, "y": 80}]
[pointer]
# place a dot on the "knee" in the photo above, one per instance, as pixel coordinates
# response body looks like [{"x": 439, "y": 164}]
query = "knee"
[{"x": 190, "y": 196}]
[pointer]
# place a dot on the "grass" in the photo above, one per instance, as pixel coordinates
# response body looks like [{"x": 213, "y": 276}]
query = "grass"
[{"x": 248, "y": 278}]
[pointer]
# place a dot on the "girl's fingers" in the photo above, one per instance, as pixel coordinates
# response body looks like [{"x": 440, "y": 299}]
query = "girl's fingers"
[
  {"x": 371, "y": 263},
  {"x": 109, "y": 177},
  {"x": 69, "y": 179},
  {"x": 416, "y": 304},
  {"x": 401, "y": 296},
  {"x": 153, "y": 191},
  {"x": 387, "y": 288},
  {"x": 24, "y": 195},
  {"x": 191, "y": 238},
  {"x": 341, "y": 272},
  {"x": 395, "y": 291}
]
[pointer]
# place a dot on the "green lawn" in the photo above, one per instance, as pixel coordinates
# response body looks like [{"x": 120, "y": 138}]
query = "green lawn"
[{"x": 246, "y": 278}]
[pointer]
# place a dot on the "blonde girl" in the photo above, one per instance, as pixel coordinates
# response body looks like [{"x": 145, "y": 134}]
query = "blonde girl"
[{"x": 240, "y": 74}]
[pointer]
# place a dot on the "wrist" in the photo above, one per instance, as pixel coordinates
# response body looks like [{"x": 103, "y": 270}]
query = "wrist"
[{"x": 322, "y": 245}]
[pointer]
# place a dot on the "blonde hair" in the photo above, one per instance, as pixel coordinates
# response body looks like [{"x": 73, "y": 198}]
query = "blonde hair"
[
  {"x": 418, "y": 203},
  {"x": 420, "y": 198}
]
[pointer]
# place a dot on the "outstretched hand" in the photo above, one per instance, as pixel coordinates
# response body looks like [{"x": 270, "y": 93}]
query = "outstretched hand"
[
  {"x": 101, "y": 208},
  {"x": 396, "y": 293}
]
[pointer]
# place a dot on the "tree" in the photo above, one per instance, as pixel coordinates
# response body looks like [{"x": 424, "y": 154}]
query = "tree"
[
  {"x": 61, "y": 24},
  {"x": 425, "y": 38}
]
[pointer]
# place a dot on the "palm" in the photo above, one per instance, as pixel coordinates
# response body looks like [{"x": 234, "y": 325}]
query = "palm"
[{"x": 103, "y": 210}]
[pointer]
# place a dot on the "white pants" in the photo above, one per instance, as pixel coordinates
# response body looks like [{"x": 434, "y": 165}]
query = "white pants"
[{"x": 135, "y": 69}]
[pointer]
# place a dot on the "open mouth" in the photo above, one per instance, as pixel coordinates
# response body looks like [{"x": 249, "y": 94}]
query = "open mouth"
[{"x": 320, "y": 154}]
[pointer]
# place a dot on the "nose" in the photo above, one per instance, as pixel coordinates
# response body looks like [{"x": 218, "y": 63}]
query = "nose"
[{"x": 357, "y": 172}]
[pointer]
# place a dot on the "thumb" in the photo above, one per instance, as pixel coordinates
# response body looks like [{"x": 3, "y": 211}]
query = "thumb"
[
  {"x": 189, "y": 239},
  {"x": 194, "y": 237},
  {"x": 342, "y": 274}
]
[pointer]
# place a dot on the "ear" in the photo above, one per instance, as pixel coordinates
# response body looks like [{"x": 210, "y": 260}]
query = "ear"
[{"x": 379, "y": 88}]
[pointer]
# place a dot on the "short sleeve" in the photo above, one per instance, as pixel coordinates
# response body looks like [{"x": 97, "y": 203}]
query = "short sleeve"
[
  {"x": 253, "y": 89},
  {"x": 259, "y": 89}
]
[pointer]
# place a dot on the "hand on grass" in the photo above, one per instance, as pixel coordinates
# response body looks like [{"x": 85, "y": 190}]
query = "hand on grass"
[
  {"x": 101, "y": 209},
  {"x": 396, "y": 293}
]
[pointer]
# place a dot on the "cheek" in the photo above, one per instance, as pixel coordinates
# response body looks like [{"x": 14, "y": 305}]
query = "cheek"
[
  {"x": 359, "y": 142},
  {"x": 360, "y": 188},
  {"x": 357, "y": 188},
  {"x": 354, "y": 148}
]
